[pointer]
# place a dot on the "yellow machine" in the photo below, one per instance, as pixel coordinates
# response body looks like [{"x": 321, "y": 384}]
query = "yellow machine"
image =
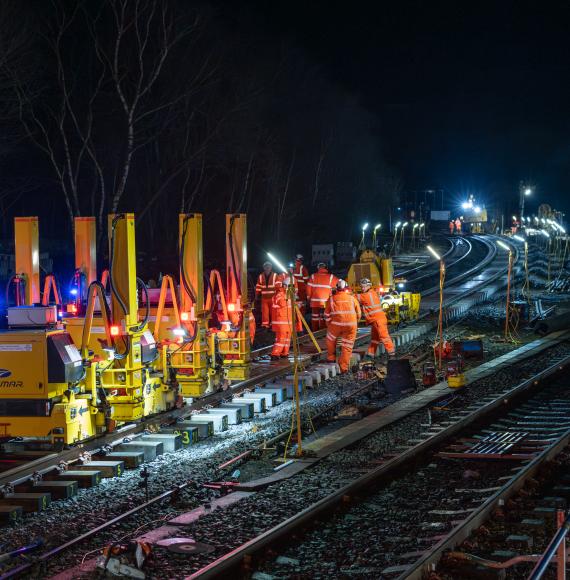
[
  {"x": 128, "y": 386},
  {"x": 233, "y": 340},
  {"x": 377, "y": 269},
  {"x": 43, "y": 394},
  {"x": 85, "y": 274},
  {"x": 401, "y": 307},
  {"x": 181, "y": 330}
]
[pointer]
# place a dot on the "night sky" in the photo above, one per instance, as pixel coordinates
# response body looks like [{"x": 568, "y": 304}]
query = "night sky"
[{"x": 470, "y": 97}]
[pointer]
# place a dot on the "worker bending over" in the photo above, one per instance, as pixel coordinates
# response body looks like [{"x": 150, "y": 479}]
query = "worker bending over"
[
  {"x": 319, "y": 290},
  {"x": 341, "y": 314},
  {"x": 375, "y": 317},
  {"x": 265, "y": 289},
  {"x": 281, "y": 319}
]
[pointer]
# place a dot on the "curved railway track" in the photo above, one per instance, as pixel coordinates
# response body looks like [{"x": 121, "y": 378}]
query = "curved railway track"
[
  {"x": 485, "y": 272},
  {"x": 493, "y": 274}
]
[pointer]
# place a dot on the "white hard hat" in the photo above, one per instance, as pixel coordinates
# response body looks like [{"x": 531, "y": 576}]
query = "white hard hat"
[
  {"x": 341, "y": 285},
  {"x": 299, "y": 257}
]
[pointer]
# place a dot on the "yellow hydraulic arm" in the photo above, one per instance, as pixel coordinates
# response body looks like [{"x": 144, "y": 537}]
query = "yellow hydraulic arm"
[{"x": 26, "y": 230}]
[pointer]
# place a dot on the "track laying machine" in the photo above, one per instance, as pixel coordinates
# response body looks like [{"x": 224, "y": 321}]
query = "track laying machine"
[
  {"x": 71, "y": 373},
  {"x": 399, "y": 306}
]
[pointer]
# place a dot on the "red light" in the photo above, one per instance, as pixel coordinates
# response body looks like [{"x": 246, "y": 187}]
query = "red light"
[
  {"x": 184, "y": 316},
  {"x": 114, "y": 330}
]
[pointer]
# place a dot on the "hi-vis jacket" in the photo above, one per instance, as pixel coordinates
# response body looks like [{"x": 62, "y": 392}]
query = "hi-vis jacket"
[
  {"x": 371, "y": 305},
  {"x": 266, "y": 285},
  {"x": 342, "y": 309},
  {"x": 319, "y": 287}
]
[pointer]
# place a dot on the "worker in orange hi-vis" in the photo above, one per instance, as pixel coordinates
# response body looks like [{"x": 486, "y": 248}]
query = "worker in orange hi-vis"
[
  {"x": 319, "y": 290},
  {"x": 281, "y": 319},
  {"x": 300, "y": 303},
  {"x": 301, "y": 274},
  {"x": 451, "y": 227},
  {"x": 265, "y": 289},
  {"x": 341, "y": 313},
  {"x": 375, "y": 317},
  {"x": 458, "y": 226}
]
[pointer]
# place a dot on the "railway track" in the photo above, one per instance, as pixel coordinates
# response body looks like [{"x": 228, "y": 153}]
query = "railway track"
[
  {"x": 396, "y": 519},
  {"x": 261, "y": 373},
  {"x": 390, "y": 448}
]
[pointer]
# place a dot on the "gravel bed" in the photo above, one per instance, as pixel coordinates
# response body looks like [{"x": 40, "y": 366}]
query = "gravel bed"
[
  {"x": 395, "y": 522},
  {"x": 229, "y": 528}
]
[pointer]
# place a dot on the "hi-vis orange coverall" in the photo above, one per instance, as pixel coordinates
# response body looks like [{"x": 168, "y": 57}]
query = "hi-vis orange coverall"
[
  {"x": 376, "y": 318},
  {"x": 451, "y": 226},
  {"x": 458, "y": 225},
  {"x": 265, "y": 288},
  {"x": 319, "y": 290},
  {"x": 281, "y": 322},
  {"x": 341, "y": 313},
  {"x": 301, "y": 275}
]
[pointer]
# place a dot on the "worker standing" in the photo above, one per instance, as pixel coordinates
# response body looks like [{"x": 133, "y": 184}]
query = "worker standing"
[
  {"x": 458, "y": 226},
  {"x": 265, "y": 289},
  {"x": 451, "y": 227},
  {"x": 341, "y": 313},
  {"x": 376, "y": 318},
  {"x": 300, "y": 304},
  {"x": 301, "y": 274},
  {"x": 319, "y": 290},
  {"x": 281, "y": 319}
]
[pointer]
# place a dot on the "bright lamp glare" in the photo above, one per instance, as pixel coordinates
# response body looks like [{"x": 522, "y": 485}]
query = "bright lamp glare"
[
  {"x": 503, "y": 245},
  {"x": 545, "y": 233},
  {"x": 422, "y": 225},
  {"x": 433, "y": 253},
  {"x": 528, "y": 191},
  {"x": 73, "y": 291},
  {"x": 178, "y": 332},
  {"x": 277, "y": 262},
  {"x": 464, "y": 205},
  {"x": 514, "y": 218},
  {"x": 398, "y": 225},
  {"x": 365, "y": 227},
  {"x": 416, "y": 226},
  {"x": 405, "y": 224},
  {"x": 518, "y": 238},
  {"x": 377, "y": 227},
  {"x": 477, "y": 209}
]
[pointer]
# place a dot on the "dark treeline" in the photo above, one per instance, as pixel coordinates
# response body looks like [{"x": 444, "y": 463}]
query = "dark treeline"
[{"x": 162, "y": 106}]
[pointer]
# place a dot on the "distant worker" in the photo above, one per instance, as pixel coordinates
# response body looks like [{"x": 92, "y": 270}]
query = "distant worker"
[
  {"x": 451, "y": 227},
  {"x": 300, "y": 304},
  {"x": 265, "y": 289},
  {"x": 458, "y": 226},
  {"x": 252, "y": 327},
  {"x": 319, "y": 290},
  {"x": 341, "y": 313},
  {"x": 301, "y": 274},
  {"x": 376, "y": 318},
  {"x": 281, "y": 319}
]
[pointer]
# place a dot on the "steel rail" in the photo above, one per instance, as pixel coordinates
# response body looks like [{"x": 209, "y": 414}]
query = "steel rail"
[
  {"x": 232, "y": 560},
  {"x": 23, "y": 472}
]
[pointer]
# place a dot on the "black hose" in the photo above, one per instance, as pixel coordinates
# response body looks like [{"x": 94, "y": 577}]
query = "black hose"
[
  {"x": 147, "y": 303},
  {"x": 186, "y": 282},
  {"x": 111, "y": 259},
  {"x": 117, "y": 354},
  {"x": 22, "y": 297}
]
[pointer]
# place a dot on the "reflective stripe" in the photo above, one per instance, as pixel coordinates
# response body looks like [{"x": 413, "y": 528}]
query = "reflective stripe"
[
  {"x": 280, "y": 322},
  {"x": 312, "y": 285},
  {"x": 343, "y": 323},
  {"x": 319, "y": 300},
  {"x": 343, "y": 312}
]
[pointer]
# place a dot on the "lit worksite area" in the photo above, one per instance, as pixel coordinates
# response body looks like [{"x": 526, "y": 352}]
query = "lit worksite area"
[{"x": 284, "y": 291}]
